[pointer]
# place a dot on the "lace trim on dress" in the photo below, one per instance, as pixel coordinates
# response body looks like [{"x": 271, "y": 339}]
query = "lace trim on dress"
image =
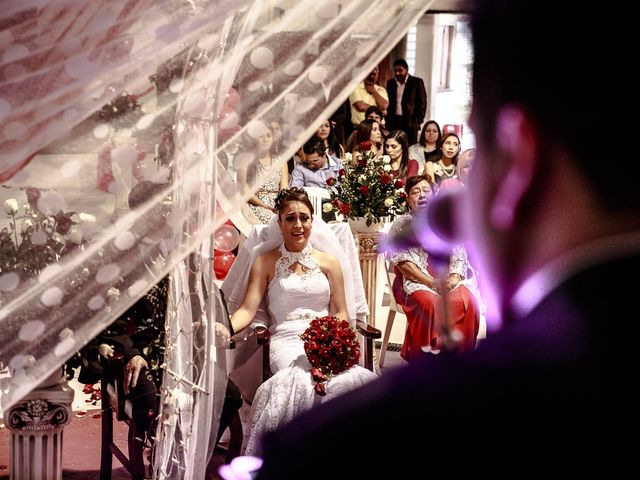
[{"x": 303, "y": 257}]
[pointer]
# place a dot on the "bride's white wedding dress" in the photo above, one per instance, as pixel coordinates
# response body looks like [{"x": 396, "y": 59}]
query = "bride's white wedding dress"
[{"x": 294, "y": 300}]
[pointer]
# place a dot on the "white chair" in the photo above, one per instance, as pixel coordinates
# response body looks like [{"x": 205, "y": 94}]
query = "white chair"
[
  {"x": 393, "y": 309},
  {"x": 317, "y": 195},
  {"x": 472, "y": 283}
]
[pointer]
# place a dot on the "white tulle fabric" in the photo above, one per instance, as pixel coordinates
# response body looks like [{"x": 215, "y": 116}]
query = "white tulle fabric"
[
  {"x": 211, "y": 75},
  {"x": 294, "y": 300}
]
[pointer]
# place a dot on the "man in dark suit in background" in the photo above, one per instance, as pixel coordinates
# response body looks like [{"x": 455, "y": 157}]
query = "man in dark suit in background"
[
  {"x": 407, "y": 101},
  {"x": 553, "y": 393}
]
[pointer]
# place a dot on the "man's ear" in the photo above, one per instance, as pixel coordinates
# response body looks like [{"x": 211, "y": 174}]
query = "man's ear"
[{"x": 517, "y": 144}]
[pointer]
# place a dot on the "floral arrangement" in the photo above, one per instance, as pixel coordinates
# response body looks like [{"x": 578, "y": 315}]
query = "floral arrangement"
[
  {"x": 33, "y": 239},
  {"x": 331, "y": 347},
  {"x": 367, "y": 187}
]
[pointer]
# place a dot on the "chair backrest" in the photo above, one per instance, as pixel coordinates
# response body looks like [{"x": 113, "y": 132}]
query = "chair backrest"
[
  {"x": 113, "y": 401},
  {"x": 474, "y": 288},
  {"x": 316, "y": 195},
  {"x": 391, "y": 277}
]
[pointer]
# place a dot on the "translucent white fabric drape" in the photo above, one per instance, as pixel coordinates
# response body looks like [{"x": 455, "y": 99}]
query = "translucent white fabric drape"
[{"x": 97, "y": 96}]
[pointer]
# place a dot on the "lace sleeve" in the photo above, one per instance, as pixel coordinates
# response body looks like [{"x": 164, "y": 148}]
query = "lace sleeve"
[
  {"x": 396, "y": 255},
  {"x": 459, "y": 262}
]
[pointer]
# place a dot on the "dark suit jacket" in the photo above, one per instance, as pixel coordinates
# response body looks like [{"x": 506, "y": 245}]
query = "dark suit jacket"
[
  {"x": 414, "y": 100},
  {"x": 545, "y": 396}
]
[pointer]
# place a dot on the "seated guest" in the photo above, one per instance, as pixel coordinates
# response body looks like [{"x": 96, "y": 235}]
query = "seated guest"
[
  {"x": 138, "y": 334},
  {"x": 445, "y": 166},
  {"x": 333, "y": 148},
  {"x": 315, "y": 167},
  {"x": 367, "y": 131},
  {"x": 419, "y": 289},
  {"x": 396, "y": 146},
  {"x": 295, "y": 275},
  {"x": 426, "y": 150},
  {"x": 374, "y": 113},
  {"x": 259, "y": 149}
]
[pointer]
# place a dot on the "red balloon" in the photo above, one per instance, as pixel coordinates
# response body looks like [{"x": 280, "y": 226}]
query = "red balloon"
[{"x": 222, "y": 262}]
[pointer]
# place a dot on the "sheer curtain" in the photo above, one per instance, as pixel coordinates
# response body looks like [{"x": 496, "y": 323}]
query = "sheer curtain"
[{"x": 97, "y": 96}]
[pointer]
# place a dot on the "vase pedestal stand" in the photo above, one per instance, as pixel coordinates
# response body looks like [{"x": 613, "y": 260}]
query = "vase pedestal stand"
[
  {"x": 36, "y": 423},
  {"x": 368, "y": 241}
]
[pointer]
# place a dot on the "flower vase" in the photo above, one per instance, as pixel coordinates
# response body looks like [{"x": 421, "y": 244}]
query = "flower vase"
[{"x": 359, "y": 225}]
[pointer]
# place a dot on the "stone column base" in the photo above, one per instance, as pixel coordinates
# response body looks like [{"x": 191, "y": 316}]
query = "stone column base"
[{"x": 37, "y": 423}]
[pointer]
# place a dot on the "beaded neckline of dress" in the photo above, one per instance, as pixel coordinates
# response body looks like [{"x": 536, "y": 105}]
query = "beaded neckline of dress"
[{"x": 303, "y": 257}]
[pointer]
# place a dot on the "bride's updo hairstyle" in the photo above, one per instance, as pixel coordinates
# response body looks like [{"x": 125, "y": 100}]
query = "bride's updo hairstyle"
[{"x": 293, "y": 194}]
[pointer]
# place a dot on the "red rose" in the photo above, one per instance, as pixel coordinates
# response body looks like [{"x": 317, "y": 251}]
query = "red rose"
[
  {"x": 320, "y": 389},
  {"x": 362, "y": 162},
  {"x": 317, "y": 375},
  {"x": 331, "y": 181},
  {"x": 384, "y": 178},
  {"x": 63, "y": 224},
  {"x": 365, "y": 146},
  {"x": 331, "y": 347},
  {"x": 314, "y": 359},
  {"x": 342, "y": 172},
  {"x": 364, "y": 189},
  {"x": 398, "y": 184},
  {"x": 344, "y": 208}
]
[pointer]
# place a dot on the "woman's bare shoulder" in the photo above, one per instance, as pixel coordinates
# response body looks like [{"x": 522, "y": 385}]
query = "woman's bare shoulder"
[
  {"x": 326, "y": 260},
  {"x": 268, "y": 258}
]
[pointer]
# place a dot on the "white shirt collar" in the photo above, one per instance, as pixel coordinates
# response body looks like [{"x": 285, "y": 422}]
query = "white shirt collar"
[
  {"x": 542, "y": 282},
  {"x": 406, "y": 79}
]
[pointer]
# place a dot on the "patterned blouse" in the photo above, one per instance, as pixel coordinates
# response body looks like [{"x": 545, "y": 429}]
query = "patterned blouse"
[{"x": 419, "y": 256}]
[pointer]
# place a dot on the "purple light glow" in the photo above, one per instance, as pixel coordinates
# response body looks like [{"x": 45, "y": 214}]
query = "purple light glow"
[{"x": 241, "y": 468}]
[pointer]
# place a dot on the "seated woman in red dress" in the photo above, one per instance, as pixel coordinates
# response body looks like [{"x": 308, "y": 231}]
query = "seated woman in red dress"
[{"x": 417, "y": 290}]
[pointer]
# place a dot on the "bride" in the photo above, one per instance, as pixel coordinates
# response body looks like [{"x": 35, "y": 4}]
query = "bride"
[{"x": 300, "y": 284}]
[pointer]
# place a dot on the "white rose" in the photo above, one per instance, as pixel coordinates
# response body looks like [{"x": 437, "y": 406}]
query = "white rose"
[
  {"x": 362, "y": 179},
  {"x": 387, "y": 168},
  {"x": 386, "y": 159},
  {"x": 388, "y": 202},
  {"x": 348, "y": 157},
  {"x": 75, "y": 236},
  {"x": 327, "y": 207},
  {"x": 11, "y": 206},
  {"x": 26, "y": 225},
  {"x": 113, "y": 293},
  {"x": 86, "y": 217}
]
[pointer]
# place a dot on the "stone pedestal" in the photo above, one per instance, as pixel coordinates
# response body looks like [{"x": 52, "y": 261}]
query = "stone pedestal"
[
  {"x": 368, "y": 250},
  {"x": 36, "y": 424}
]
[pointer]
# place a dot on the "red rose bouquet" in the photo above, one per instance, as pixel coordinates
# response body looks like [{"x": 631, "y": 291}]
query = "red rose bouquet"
[{"x": 331, "y": 347}]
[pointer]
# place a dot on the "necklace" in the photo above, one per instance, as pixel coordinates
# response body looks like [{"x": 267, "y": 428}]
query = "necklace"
[{"x": 447, "y": 171}]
